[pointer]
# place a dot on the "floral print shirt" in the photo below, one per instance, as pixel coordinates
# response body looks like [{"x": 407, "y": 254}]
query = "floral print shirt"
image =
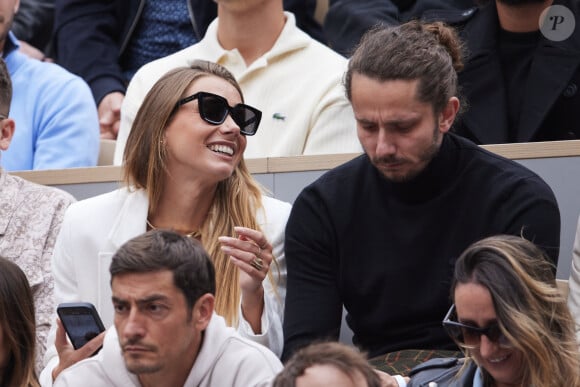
[{"x": 30, "y": 219}]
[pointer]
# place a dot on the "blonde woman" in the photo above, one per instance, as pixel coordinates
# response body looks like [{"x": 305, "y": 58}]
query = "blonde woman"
[
  {"x": 184, "y": 171},
  {"x": 510, "y": 318}
]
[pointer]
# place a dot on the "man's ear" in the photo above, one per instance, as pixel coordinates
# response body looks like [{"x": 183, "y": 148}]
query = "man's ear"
[
  {"x": 6, "y": 133},
  {"x": 203, "y": 310},
  {"x": 447, "y": 116}
]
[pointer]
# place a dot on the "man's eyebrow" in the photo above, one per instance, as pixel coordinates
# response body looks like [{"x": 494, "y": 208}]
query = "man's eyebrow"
[
  {"x": 151, "y": 298},
  {"x": 364, "y": 120}
]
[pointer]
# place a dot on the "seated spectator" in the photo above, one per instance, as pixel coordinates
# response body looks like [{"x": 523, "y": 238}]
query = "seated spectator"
[
  {"x": 521, "y": 84},
  {"x": 184, "y": 170},
  {"x": 574, "y": 283},
  {"x": 381, "y": 233},
  {"x": 510, "y": 318},
  {"x": 293, "y": 79},
  {"x": 56, "y": 119},
  {"x": 327, "y": 364},
  {"x": 30, "y": 218},
  {"x": 17, "y": 332},
  {"x": 166, "y": 332},
  {"x": 107, "y": 42},
  {"x": 347, "y": 20}
]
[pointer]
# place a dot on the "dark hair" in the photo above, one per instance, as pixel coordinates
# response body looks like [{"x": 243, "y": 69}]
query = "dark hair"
[
  {"x": 193, "y": 271},
  {"x": 5, "y": 89},
  {"x": 429, "y": 52},
  {"x": 531, "y": 311},
  {"x": 18, "y": 326},
  {"x": 344, "y": 358}
]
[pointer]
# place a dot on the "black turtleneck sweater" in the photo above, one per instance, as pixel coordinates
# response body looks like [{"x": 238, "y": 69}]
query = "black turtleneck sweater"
[{"x": 387, "y": 250}]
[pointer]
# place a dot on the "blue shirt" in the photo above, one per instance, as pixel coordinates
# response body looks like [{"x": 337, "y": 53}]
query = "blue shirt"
[
  {"x": 165, "y": 27},
  {"x": 478, "y": 378},
  {"x": 56, "y": 118}
]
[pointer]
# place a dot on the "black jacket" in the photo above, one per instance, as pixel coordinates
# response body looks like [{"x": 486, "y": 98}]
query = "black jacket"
[
  {"x": 443, "y": 372},
  {"x": 91, "y": 36},
  {"x": 347, "y": 20},
  {"x": 33, "y": 23},
  {"x": 551, "y": 106}
]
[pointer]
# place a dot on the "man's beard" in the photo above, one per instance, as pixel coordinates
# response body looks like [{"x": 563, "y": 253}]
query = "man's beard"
[
  {"x": 425, "y": 158},
  {"x": 136, "y": 367},
  {"x": 143, "y": 369}
]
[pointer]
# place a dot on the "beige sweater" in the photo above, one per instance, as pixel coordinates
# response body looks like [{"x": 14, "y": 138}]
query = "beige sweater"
[{"x": 297, "y": 85}]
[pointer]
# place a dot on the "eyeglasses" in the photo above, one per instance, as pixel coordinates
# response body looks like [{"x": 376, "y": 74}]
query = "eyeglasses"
[
  {"x": 214, "y": 110},
  {"x": 469, "y": 336}
]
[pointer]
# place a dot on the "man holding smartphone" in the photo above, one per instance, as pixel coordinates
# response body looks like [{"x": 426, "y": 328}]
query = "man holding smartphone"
[{"x": 165, "y": 330}]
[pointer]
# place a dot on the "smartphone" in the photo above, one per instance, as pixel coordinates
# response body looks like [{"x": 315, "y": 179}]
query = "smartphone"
[{"x": 81, "y": 322}]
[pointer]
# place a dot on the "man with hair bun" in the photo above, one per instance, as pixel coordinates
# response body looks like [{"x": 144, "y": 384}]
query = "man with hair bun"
[{"x": 380, "y": 234}]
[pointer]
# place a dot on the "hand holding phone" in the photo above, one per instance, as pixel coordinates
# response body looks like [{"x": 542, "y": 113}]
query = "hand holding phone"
[
  {"x": 80, "y": 321},
  {"x": 67, "y": 354}
]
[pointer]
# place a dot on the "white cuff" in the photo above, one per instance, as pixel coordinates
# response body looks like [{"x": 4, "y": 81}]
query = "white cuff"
[{"x": 400, "y": 380}]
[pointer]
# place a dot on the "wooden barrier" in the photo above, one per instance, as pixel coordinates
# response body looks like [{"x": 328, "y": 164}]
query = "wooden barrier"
[{"x": 558, "y": 163}]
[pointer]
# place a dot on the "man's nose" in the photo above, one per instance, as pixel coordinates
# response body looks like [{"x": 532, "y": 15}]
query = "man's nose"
[
  {"x": 134, "y": 325},
  {"x": 386, "y": 144}
]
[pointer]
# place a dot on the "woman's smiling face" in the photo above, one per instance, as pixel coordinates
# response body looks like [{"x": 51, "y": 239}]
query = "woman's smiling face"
[
  {"x": 196, "y": 146},
  {"x": 474, "y": 306}
]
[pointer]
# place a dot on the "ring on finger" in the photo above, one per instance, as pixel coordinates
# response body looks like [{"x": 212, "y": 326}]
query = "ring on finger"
[{"x": 257, "y": 263}]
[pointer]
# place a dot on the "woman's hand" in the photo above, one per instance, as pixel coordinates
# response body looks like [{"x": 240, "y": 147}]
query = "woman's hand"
[{"x": 252, "y": 254}]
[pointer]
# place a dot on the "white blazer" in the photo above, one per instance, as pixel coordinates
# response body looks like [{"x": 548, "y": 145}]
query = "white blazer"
[
  {"x": 574, "y": 284},
  {"x": 95, "y": 228}
]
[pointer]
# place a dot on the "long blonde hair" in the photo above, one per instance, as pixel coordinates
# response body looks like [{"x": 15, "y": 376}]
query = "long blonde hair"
[
  {"x": 237, "y": 198},
  {"x": 531, "y": 311}
]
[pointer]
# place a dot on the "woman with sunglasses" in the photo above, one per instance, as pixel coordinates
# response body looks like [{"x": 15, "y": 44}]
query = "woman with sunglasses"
[
  {"x": 510, "y": 318},
  {"x": 184, "y": 170}
]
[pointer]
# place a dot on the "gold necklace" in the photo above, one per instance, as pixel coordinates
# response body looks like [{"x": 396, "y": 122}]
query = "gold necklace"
[{"x": 194, "y": 234}]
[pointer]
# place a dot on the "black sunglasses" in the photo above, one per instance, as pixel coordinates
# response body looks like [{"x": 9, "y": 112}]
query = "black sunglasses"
[
  {"x": 469, "y": 336},
  {"x": 214, "y": 110}
]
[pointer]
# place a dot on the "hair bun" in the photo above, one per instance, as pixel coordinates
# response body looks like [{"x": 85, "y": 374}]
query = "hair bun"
[{"x": 448, "y": 38}]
